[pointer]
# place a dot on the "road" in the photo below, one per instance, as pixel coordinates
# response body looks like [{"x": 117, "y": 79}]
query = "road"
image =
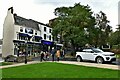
[{"x": 74, "y": 59}]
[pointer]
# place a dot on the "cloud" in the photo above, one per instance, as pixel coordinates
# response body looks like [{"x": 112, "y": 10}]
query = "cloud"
[
  {"x": 53, "y": 2},
  {"x": 42, "y": 10}
]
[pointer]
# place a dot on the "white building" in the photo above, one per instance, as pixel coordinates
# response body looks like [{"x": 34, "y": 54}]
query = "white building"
[{"x": 20, "y": 33}]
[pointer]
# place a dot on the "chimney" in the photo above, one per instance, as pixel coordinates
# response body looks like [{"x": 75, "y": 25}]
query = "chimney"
[{"x": 11, "y": 8}]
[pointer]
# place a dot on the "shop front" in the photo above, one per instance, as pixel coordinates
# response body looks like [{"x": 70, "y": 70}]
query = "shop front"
[{"x": 47, "y": 45}]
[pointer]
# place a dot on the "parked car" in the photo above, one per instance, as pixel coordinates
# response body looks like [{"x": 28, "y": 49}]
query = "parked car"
[
  {"x": 95, "y": 54},
  {"x": 11, "y": 58}
]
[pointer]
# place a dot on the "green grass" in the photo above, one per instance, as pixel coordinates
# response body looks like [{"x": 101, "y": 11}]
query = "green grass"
[
  {"x": 57, "y": 70},
  {"x": 6, "y": 63},
  {"x": 0, "y": 73}
]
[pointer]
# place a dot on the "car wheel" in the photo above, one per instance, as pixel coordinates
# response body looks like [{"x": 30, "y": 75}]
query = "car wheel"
[
  {"x": 99, "y": 60},
  {"x": 79, "y": 59}
]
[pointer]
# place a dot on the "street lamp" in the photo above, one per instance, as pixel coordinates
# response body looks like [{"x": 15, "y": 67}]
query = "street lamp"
[
  {"x": 87, "y": 34},
  {"x": 26, "y": 52}
]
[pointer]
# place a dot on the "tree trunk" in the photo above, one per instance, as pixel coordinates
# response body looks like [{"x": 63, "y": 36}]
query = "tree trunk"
[{"x": 73, "y": 47}]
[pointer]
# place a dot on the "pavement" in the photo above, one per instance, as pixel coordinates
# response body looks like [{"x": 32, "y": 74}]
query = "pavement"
[{"x": 108, "y": 66}]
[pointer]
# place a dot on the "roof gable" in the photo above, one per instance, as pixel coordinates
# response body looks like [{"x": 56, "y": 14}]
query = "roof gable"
[{"x": 26, "y": 22}]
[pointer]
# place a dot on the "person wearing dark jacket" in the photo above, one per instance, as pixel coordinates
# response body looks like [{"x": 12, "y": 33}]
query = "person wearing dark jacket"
[
  {"x": 42, "y": 56},
  {"x": 53, "y": 53},
  {"x": 25, "y": 54}
]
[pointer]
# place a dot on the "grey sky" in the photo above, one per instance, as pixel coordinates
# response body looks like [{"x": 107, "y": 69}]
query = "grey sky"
[{"x": 42, "y": 10}]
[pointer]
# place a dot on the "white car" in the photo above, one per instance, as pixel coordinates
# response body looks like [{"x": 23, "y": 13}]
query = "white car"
[{"x": 95, "y": 54}]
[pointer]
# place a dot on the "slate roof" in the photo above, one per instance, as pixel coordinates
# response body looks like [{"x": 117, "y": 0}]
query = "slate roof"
[{"x": 27, "y": 22}]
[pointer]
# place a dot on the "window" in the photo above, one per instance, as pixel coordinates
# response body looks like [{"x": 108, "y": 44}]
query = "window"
[
  {"x": 44, "y": 36},
  {"x": 50, "y": 37},
  {"x": 35, "y": 32},
  {"x": 30, "y": 31},
  {"x": 18, "y": 36},
  {"x": 45, "y": 29},
  {"x": 21, "y": 29},
  {"x": 49, "y": 30}
]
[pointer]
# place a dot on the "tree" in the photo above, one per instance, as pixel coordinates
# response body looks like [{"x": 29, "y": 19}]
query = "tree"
[
  {"x": 114, "y": 39},
  {"x": 103, "y": 29},
  {"x": 71, "y": 23}
]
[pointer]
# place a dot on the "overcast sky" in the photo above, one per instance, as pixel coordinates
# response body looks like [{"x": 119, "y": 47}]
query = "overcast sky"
[{"x": 42, "y": 10}]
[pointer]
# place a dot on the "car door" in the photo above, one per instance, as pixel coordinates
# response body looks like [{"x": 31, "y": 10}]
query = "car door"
[{"x": 89, "y": 54}]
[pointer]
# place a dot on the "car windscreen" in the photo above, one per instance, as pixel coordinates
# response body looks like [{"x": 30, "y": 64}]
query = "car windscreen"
[{"x": 97, "y": 50}]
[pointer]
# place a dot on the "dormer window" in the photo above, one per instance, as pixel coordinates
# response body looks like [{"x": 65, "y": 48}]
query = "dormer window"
[
  {"x": 21, "y": 29},
  {"x": 29, "y": 30}
]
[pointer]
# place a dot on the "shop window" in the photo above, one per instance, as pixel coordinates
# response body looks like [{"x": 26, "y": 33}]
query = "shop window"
[{"x": 44, "y": 36}]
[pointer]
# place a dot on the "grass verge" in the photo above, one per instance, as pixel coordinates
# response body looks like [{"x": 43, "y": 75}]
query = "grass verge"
[{"x": 57, "y": 70}]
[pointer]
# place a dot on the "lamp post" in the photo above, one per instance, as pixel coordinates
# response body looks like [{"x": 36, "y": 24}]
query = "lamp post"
[
  {"x": 87, "y": 34},
  {"x": 26, "y": 52}
]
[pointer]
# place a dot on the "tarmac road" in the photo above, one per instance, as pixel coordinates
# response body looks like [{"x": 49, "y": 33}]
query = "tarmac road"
[{"x": 74, "y": 59}]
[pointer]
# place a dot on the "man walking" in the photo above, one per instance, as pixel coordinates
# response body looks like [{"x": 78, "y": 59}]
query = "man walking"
[
  {"x": 53, "y": 53},
  {"x": 42, "y": 56}
]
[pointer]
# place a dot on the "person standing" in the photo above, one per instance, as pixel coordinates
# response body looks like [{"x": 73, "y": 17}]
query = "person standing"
[
  {"x": 42, "y": 56},
  {"x": 47, "y": 56},
  {"x": 53, "y": 53},
  {"x": 25, "y": 54},
  {"x": 58, "y": 55}
]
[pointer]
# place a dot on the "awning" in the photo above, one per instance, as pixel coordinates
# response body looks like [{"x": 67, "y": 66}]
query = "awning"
[
  {"x": 33, "y": 43},
  {"x": 18, "y": 41},
  {"x": 38, "y": 37},
  {"x": 22, "y": 34},
  {"x": 47, "y": 42}
]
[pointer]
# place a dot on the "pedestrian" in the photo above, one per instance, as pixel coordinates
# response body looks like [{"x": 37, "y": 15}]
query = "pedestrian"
[
  {"x": 25, "y": 54},
  {"x": 29, "y": 53},
  {"x": 47, "y": 56},
  {"x": 58, "y": 55},
  {"x": 53, "y": 53},
  {"x": 42, "y": 56}
]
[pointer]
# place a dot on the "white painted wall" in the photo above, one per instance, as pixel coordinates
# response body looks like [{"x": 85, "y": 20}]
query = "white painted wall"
[
  {"x": 10, "y": 31},
  {"x": 8, "y": 35},
  {"x": 0, "y": 49},
  {"x": 47, "y": 32},
  {"x": 17, "y": 30}
]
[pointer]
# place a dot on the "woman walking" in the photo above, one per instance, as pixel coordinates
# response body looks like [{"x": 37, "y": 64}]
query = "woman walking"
[{"x": 58, "y": 55}]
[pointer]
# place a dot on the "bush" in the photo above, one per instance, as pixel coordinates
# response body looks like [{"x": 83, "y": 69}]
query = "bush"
[
  {"x": 116, "y": 46},
  {"x": 6, "y": 63},
  {"x": 116, "y": 51},
  {"x": 11, "y": 58}
]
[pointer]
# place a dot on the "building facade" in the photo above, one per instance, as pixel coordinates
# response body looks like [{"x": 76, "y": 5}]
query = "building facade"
[
  {"x": 0, "y": 47},
  {"x": 25, "y": 34}
]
